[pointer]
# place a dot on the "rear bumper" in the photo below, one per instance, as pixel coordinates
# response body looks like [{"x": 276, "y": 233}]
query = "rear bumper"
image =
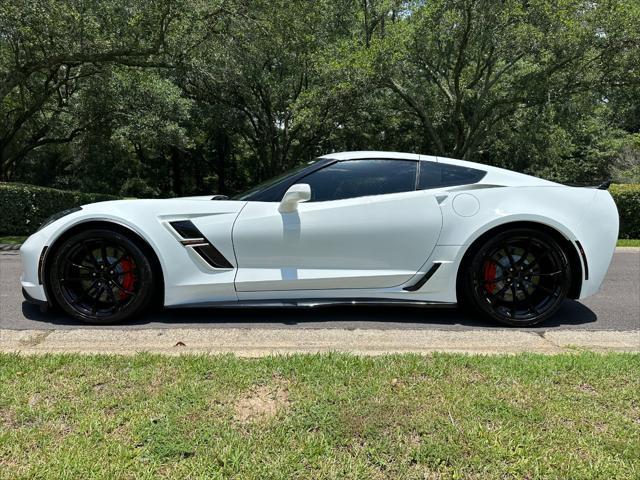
[{"x": 598, "y": 234}]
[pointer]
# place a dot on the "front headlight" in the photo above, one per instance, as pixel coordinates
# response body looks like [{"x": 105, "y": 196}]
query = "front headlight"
[{"x": 58, "y": 216}]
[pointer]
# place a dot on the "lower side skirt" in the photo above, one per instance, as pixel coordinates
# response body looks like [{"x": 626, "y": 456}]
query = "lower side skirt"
[{"x": 318, "y": 302}]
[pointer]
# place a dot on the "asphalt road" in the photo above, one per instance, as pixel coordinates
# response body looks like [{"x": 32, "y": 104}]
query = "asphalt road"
[{"x": 615, "y": 307}]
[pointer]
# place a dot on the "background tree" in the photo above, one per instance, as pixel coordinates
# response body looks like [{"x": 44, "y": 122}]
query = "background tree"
[{"x": 193, "y": 97}]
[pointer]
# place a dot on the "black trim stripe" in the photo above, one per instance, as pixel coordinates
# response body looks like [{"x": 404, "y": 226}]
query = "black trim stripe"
[
  {"x": 584, "y": 260},
  {"x": 194, "y": 242},
  {"x": 41, "y": 265},
  {"x": 192, "y": 237},
  {"x": 424, "y": 279},
  {"x": 212, "y": 256},
  {"x": 186, "y": 229}
]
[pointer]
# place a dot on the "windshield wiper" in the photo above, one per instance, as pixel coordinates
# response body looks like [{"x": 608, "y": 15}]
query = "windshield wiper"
[{"x": 219, "y": 197}]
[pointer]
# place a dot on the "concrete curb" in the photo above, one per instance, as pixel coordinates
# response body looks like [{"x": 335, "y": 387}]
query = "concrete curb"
[{"x": 261, "y": 342}]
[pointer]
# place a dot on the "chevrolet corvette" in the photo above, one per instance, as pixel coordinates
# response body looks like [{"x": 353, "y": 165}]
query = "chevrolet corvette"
[{"x": 372, "y": 228}]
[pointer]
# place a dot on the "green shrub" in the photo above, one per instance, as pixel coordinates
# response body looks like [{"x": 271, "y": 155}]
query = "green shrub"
[
  {"x": 627, "y": 199},
  {"x": 23, "y": 208}
]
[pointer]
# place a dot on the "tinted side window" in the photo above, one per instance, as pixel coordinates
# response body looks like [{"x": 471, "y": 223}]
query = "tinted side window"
[
  {"x": 436, "y": 175},
  {"x": 358, "y": 178}
]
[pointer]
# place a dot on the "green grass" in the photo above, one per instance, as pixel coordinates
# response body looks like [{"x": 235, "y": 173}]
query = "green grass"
[
  {"x": 628, "y": 242},
  {"x": 320, "y": 416},
  {"x": 12, "y": 240}
]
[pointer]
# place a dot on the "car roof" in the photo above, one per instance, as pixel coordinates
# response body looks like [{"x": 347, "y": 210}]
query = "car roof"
[
  {"x": 495, "y": 175},
  {"x": 377, "y": 154}
]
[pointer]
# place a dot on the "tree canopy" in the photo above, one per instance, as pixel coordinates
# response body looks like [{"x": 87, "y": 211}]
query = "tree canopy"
[{"x": 163, "y": 98}]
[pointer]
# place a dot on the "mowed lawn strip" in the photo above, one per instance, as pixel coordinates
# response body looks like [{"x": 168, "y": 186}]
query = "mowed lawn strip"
[
  {"x": 320, "y": 416},
  {"x": 628, "y": 242}
]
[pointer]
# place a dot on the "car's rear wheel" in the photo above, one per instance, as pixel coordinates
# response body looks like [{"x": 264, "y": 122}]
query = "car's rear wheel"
[
  {"x": 518, "y": 277},
  {"x": 101, "y": 276}
]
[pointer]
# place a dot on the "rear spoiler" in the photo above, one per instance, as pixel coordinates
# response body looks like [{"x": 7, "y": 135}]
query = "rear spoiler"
[{"x": 602, "y": 186}]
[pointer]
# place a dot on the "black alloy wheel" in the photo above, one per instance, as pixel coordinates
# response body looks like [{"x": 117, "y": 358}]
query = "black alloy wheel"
[
  {"x": 518, "y": 277},
  {"x": 101, "y": 276}
]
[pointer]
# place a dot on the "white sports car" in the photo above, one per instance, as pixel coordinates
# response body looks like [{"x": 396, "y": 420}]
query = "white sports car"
[{"x": 347, "y": 228}]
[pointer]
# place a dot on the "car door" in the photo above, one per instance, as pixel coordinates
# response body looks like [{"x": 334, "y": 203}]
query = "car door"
[{"x": 365, "y": 226}]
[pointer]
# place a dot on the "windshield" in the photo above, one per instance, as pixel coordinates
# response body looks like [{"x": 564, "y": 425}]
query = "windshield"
[{"x": 272, "y": 181}]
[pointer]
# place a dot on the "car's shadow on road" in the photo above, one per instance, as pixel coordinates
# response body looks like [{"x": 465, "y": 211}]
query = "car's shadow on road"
[{"x": 571, "y": 313}]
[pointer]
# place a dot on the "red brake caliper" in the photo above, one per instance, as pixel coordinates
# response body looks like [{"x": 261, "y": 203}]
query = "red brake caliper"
[
  {"x": 128, "y": 278},
  {"x": 489, "y": 275}
]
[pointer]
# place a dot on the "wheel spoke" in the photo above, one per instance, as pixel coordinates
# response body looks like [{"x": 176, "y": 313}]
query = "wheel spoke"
[
  {"x": 528, "y": 299},
  {"x": 85, "y": 293},
  {"x": 103, "y": 252},
  {"x": 494, "y": 280},
  {"x": 90, "y": 255},
  {"x": 536, "y": 260},
  {"x": 77, "y": 278},
  {"x": 527, "y": 248},
  {"x": 114, "y": 300},
  {"x": 494, "y": 296},
  {"x": 96, "y": 299},
  {"x": 514, "y": 293},
  {"x": 509, "y": 256},
  {"x": 77, "y": 265},
  {"x": 551, "y": 274},
  {"x": 124, "y": 290},
  {"x": 119, "y": 259}
]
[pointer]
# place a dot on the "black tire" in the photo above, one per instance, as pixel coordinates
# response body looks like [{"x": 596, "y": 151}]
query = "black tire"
[
  {"x": 101, "y": 277},
  {"x": 518, "y": 277}
]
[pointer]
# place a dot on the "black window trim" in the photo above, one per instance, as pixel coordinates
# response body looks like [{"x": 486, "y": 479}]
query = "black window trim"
[
  {"x": 287, "y": 183},
  {"x": 415, "y": 186},
  {"x": 438, "y": 162}
]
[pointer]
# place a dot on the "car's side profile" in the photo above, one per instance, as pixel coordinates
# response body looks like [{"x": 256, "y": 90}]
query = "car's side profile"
[{"x": 354, "y": 227}]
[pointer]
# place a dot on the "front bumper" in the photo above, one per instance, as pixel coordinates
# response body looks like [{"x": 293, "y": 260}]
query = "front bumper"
[
  {"x": 40, "y": 303},
  {"x": 31, "y": 254}
]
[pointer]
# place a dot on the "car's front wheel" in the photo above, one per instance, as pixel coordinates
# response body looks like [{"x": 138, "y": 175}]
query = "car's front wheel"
[
  {"x": 100, "y": 276},
  {"x": 518, "y": 277}
]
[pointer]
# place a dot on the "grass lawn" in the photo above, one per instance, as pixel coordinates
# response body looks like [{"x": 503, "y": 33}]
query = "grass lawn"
[
  {"x": 12, "y": 240},
  {"x": 320, "y": 416},
  {"x": 628, "y": 242}
]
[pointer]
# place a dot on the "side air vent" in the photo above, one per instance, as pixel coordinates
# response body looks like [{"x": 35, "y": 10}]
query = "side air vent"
[
  {"x": 193, "y": 238},
  {"x": 212, "y": 256},
  {"x": 424, "y": 279},
  {"x": 186, "y": 229}
]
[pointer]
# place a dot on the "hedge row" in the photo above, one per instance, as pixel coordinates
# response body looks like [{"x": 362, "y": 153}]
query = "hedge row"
[
  {"x": 627, "y": 199},
  {"x": 23, "y": 208}
]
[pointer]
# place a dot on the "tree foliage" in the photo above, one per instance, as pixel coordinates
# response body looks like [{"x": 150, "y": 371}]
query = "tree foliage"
[{"x": 153, "y": 98}]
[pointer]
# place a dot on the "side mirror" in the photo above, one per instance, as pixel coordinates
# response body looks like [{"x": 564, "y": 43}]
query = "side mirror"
[{"x": 300, "y": 192}]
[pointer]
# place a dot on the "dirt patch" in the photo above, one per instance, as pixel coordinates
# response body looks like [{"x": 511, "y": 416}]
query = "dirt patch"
[
  {"x": 35, "y": 339},
  {"x": 586, "y": 388},
  {"x": 262, "y": 402},
  {"x": 8, "y": 419}
]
